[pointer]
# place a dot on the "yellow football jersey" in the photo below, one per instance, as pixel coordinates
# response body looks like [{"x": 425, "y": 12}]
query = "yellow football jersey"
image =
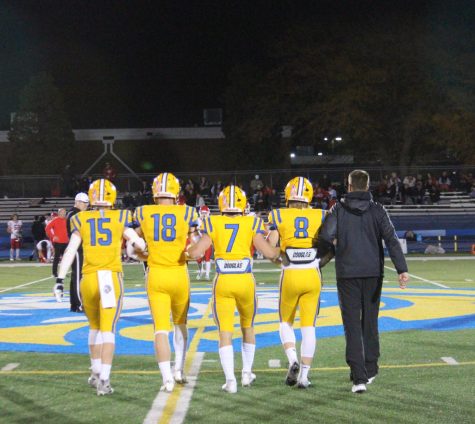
[
  {"x": 101, "y": 233},
  {"x": 165, "y": 229},
  {"x": 232, "y": 235},
  {"x": 297, "y": 227}
]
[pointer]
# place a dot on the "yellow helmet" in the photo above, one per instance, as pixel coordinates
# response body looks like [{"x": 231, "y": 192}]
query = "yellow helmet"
[
  {"x": 298, "y": 189},
  {"x": 166, "y": 185},
  {"x": 232, "y": 199},
  {"x": 102, "y": 193}
]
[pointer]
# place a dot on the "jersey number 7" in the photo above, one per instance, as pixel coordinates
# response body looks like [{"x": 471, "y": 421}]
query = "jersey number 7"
[{"x": 235, "y": 229}]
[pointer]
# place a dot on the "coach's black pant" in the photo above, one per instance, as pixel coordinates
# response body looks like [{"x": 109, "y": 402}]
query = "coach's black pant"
[
  {"x": 76, "y": 275},
  {"x": 59, "y": 249},
  {"x": 359, "y": 303}
]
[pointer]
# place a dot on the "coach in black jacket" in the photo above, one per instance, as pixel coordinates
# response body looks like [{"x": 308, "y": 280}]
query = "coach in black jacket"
[{"x": 353, "y": 232}]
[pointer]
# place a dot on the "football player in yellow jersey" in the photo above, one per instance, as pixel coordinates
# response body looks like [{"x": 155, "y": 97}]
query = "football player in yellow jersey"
[
  {"x": 100, "y": 231},
  {"x": 233, "y": 235},
  {"x": 300, "y": 283},
  {"x": 165, "y": 227}
]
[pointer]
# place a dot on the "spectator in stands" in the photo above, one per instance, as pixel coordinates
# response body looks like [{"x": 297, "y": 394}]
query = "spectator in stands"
[
  {"x": 430, "y": 181},
  {"x": 181, "y": 198},
  {"x": 216, "y": 189},
  {"x": 259, "y": 204},
  {"x": 321, "y": 198},
  {"x": 204, "y": 187},
  {"x": 199, "y": 201},
  {"x": 38, "y": 233},
  {"x": 419, "y": 193},
  {"x": 256, "y": 184},
  {"x": 144, "y": 195},
  {"x": 394, "y": 187},
  {"x": 408, "y": 190},
  {"x": 434, "y": 194},
  {"x": 382, "y": 193},
  {"x": 58, "y": 234},
  {"x": 444, "y": 182},
  {"x": 472, "y": 193},
  {"x": 466, "y": 182},
  {"x": 274, "y": 199},
  {"x": 109, "y": 172}
]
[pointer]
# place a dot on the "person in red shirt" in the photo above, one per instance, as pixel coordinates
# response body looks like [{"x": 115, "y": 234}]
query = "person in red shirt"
[{"x": 57, "y": 232}]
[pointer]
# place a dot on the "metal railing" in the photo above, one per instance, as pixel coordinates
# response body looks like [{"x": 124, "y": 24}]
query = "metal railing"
[{"x": 52, "y": 185}]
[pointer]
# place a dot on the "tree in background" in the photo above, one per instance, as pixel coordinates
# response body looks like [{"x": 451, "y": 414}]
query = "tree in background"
[
  {"x": 41, "y": 135},
  {"x": 380, "y": 84}
]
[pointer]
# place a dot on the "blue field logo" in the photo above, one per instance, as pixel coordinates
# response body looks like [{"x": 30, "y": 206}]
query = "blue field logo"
[{"x": 35, "y": 322}]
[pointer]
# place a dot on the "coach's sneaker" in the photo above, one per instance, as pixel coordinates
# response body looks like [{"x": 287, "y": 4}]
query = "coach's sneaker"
[
  {"x": 168, "y": 386},
  {"x": 371, "y": 379},
  {"x": 58, "y": 292},
  {"x": 180, "y": 377},
  {"x": 247, "y": 378},
  {"x": 358, "y": 388},
  {"x": 303, "y": 383},
  {"x": 93, "y": 380},
  {"x": 104, "y": 388},
  {"x": 230, "y": 386},
  {"x": 292, "y": 374}
]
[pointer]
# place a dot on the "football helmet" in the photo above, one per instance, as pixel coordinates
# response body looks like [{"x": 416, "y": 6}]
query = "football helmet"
[
  {"x": 298, "y": 189},
  {"x": 232, "y": 199},
  {"x": 166, "y": 185},
  {"x": 102, "y": 193},
  {"x": 204, "y": 211}
]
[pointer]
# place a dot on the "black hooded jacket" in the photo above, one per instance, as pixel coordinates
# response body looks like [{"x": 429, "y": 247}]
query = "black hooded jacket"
[{"x": 359, "y": 225}]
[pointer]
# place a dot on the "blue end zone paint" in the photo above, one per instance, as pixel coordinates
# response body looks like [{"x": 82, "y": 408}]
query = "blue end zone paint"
[{"x": 17, "y": 311}]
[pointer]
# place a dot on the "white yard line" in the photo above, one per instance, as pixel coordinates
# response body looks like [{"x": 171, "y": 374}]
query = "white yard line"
[
  {"x": 420, "y": 278},
  {"x": 26, "y": 284},
  {"x": 187, "y": 391},
  {"x": 10, "y": 367},
  {"x": 156, "y": 411},
  {"x": 449, "y": 360}
]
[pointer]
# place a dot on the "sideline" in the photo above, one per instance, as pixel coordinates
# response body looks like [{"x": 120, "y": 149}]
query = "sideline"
[{"x": 420, "y": 278}]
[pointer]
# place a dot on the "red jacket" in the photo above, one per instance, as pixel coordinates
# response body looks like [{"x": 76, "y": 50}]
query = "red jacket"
[{"x": 56, "y": 230}]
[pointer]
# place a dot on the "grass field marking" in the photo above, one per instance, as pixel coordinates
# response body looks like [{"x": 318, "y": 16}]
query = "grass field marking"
[
  {"x": 173, "y": 407},
  {"x": 172, "y": 403},
  {"x": 420, "y": 278},
  {"x": 219, "y": 371},
  {"x": 449, "y": 360},
  {"x": 10, "y": 367},
  {"x": 26, "y": 284}
]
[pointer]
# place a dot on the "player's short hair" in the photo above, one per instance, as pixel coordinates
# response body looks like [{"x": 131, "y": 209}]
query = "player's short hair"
[{"x": 359, "y": 180}]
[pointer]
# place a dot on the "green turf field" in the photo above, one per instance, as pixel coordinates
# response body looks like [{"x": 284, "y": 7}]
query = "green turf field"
[{"x": 414, "y": 386}]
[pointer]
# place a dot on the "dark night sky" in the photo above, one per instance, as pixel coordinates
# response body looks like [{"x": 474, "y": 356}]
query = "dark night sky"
[{"x": 157, "y": 63}]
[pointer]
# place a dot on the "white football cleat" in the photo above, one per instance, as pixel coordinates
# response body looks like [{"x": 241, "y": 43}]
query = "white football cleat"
[
  {"x": 358, "y": 388},
  {"x": 104, "y": 388},
  {"x": 180, "y": 377},
  {"x": 93, "y": 380},
  {"x": 58, "y": 292},
  {"x": 168, "y": 386},
  {"x": 371, "y": 379},
  {"x": 198, "y": 276},
  {"x": 303, "y": 383},
  {"x": 230, "y": 386},
  {"x": 247, "y": 378}
]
